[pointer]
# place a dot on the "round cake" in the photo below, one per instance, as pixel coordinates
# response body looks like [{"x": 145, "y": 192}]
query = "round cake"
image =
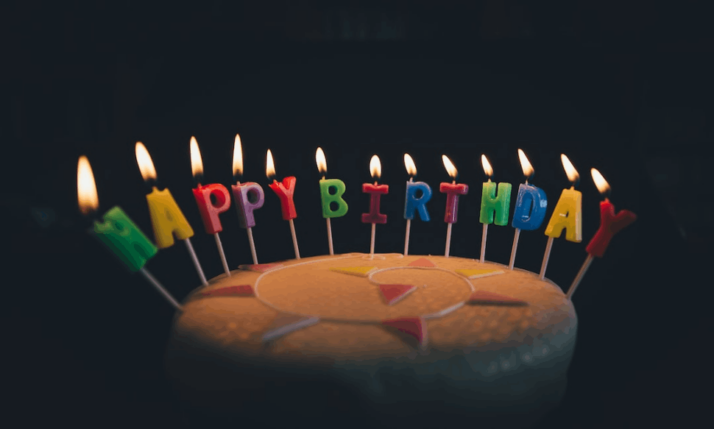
[{"x": 354, "y": 340}]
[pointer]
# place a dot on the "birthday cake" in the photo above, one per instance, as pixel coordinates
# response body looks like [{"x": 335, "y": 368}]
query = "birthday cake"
[{"x": 351, "y": 340}]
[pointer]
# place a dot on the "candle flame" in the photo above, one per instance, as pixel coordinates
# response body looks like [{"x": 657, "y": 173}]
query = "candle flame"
[
  {"x": 196, "y": 161},
  {"x": 86, "y": 188},
  {"x": 321, "y": 161},
  {"x": 269, "y": 166},
  {"x": 486, "y": 166},
  {"x": 453, "y": 172},
  {"x": 602, "y": 186},
  {"x": 525, "y": 164},
  {"x": 375, "y": 167},
  {"x": 409, "y": 164},
  {"x": 146, "y": 166},
  {"x": 572, "y": 173},
  {"x": 237, "y": 158}
]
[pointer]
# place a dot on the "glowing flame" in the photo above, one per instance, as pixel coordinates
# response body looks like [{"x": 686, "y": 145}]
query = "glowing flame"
[
  {"x": 196, "y": 161},
  {"x": 86, "y": 188},
  {"x": 375, "y": 167},
  {"x": 453, "y": 172},
  {"x": 486, "y": 166},
  {"x": 269, "y": 166},
  {"x": 525, "y": 164},
  {"x": 409, "y": 163},
  {"x": 237, "y": 158},
  {"x": 321, "y": 161},
  {"x": 572, "y": 173},
  {"x": 600, "y": 181},
  {"x": 146, "y": 166}
]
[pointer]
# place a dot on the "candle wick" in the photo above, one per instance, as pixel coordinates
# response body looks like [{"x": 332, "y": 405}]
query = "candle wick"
[{"x": 453, "y": 182}]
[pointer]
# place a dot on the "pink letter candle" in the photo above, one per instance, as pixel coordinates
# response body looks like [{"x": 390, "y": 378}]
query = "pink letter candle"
[
  {"x": 209, "y": 211},
  {"x": 375, "y": 194}
]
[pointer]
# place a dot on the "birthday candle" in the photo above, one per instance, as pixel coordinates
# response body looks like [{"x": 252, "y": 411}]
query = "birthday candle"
[
  {"x": 452, "y": 191},
  {"x": 284, "y": 190},
  {"x": 249, "y": 196},
  {"x": 531, "y": 205},
  {"x": 492, "y": 206},
  {"x": 328, "y": 198},
  {"x": 412, "y": 204},
  {"x": 375, "y": 192}
]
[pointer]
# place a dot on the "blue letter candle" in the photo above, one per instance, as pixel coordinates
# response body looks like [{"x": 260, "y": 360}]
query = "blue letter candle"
[
  {"x": 414, "y": 204},
  {"x": 531, "y": 206}
]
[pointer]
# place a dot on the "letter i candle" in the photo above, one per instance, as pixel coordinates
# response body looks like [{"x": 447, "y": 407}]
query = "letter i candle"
[
  {"x": 566, "y": 215},
  {"x": 117, "y": 232},
  {"x": 531, "y": 205},
  {"x": 329, "y": 198},
  {"x": 209, "y": 211},
  {"x": 284, "y": 190},
  {"x": 494, "y": 209},
  {"x": 610, "y": 224},
  {"x": 452, "y": 191},
  {"x": 249, "y": 196},
  {"x": 375, "y": 193},
  {"x": 166, "y": 217},
  {"x": 413, "y": 204}
]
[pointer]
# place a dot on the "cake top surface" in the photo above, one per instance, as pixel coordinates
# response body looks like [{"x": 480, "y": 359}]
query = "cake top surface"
[{"x": 342, "y": 306}]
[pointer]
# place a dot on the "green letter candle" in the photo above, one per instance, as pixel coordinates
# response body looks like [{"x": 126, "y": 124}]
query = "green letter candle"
[
  {"x": 336, "y": 197},
  {"x": 124, "y": 239},
  {"x": 495, "y": 205}
]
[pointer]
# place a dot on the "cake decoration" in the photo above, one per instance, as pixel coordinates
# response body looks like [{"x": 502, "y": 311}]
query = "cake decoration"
[
  {"x": 329, "y": 198},
  {"x": 260, "y": 268},
  {"x": 285, "y": 191},
  {"x": 412, "y": 204},
  {"x": 491, "y": 298},
  {"x": 375, "y": 193},
  {"x": 249, "y": 196},
  {"x": 452, "y": 191},
  {"x": 285, "y": 323},
  {"x": 413, "y": 326},
  {"x": 394, "y": 293},
  {"x": 422, "y": 262},
  {"x": 240, "y": 290},
  {"x": 478, "y": 273},
  {"x": 355, "y": 271}
]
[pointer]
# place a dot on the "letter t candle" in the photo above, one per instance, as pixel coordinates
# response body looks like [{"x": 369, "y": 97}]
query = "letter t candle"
[
  {"x": 610, "y": 224},
  {"x": 452, "y": 191},
  {"x": 284, "y": 190},
  {"x": 375, "y": 192}
]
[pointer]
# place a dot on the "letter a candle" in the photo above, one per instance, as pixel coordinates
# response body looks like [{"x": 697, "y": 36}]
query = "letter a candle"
[
  {"x": 117, "y": 232},
  {"x": 284, "y": 190},
  {"x": 531, "y": 205},
  {"x": 248, "y": 196},
  {"x": 166, "y": 217},
  {"x": 209, "y": 211},
  {"x": 610, "y": 224},
  {"x": 412, "y": 203},
  {"x": 452, "y": 191},
  {"x": 566, "y": 215},
  {"x": 329, "y": 198},
  {"x": 375, "y": 193},
  {"x": 493, "y": 206}
]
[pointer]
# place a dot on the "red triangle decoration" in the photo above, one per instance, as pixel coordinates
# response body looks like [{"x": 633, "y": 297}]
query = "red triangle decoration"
[
  {"x": 240, "y": 290},
  {"x": 412, "y": 326},
  {"x": 261, "y": 268},
  {"x": 483, "y": 297},
  {"x": 285, "y": 323},
  {"x": 422, "y": 262},
  {"x": 395, "y": 293}
]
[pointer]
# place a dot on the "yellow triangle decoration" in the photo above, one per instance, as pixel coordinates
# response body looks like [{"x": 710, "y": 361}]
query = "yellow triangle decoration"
[
  {"x": 474, "y": 274},
  {"x": 355, "y": 271}
]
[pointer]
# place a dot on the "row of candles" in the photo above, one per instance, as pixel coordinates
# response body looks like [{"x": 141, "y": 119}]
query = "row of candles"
[{"x": 129, "y": 243}]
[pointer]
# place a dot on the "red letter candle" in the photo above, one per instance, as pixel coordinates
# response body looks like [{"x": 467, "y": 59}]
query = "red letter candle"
[
  {"x": 284, "y": 190},
  {"x": 375, "y": 192}
]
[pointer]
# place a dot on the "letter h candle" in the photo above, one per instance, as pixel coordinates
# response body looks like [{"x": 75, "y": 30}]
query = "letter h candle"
[{"x": 493, "y": 206}]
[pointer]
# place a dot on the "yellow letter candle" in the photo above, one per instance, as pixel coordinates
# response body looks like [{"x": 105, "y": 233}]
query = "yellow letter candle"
[
  {"x": 166, "y": 217},
  {"x": 566, "y": 215}
]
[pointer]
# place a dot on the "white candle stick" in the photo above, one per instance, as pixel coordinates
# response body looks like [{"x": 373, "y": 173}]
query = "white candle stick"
[
  {"x": 371, "y": 246},
  {"x": 194, "y": 258},
  {"x": 483, "y": 242},
  {"x": 514, "y": 248},
  {"x": 579, "y": 277},
  {"x": 252, "y": 245},
  {"x": 155, "y": 283},
  {"x": 222, "y": 253},
  {"x": 295, "y": 243},
  {"x": 448, "y": 239},
  {"x": 546, "y": 256},
  {"x": 329, "y": 236},
  {"x": 406, "y": 237}
]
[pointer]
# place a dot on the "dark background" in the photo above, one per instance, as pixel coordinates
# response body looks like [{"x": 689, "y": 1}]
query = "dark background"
[{"x": 621, "y": 86}]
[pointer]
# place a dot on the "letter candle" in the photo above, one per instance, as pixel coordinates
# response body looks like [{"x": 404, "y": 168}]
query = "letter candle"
[
  {"x": 531, "y": 205},
  {"x": 284, "y": 190},
  {"x": 452, "y": 191},
  {"x": 248, "y": 196},
  {"x": 412, "y": 203},
  {"x": 491, "y": 205},
  {"x": 375, "y": 193},
  {"x": 328, "y": 198},
  {"x": 209, "y": 211},
  {"x": 566, "y": 215},
  {"x": 610, "y": 224},
  {"x": 118, "y": 233},
  {"x": 166, "y": 217}
]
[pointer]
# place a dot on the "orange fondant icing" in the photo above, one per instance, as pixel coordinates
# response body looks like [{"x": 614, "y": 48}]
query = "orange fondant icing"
[{"x": 394, "y": 293}]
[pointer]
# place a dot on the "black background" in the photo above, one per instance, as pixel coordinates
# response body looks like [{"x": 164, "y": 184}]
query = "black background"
[{"x": 621, "y": 86}]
